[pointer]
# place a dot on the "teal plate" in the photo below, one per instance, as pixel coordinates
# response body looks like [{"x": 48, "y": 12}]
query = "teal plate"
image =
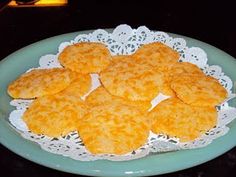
[{"x": 18, "y": 62}]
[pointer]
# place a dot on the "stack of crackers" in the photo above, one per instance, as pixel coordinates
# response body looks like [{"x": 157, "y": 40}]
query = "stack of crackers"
[{"x": 116, "y": 118}]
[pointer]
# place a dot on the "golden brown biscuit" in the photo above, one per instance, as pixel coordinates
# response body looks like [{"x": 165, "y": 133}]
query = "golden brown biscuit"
[
  {"x": 41, "y": 82},
  {"x": 198, "y": 90},
  {"x": 156, "y": 53},
  {"x": 177, "y": 119},
  {"x": 85, "y": 57},
  {"x": 175, "y": 69},
  {"x": 113, "y": 128},
  {"x": 128, "y": 79},
  {"x": 184, "y": 68},
  {"x": 101, "y": 96},
  {"x": 55, "y": 115}
]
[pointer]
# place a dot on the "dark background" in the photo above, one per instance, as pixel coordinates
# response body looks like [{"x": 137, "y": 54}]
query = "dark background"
[{"x": 212, "y": 22}]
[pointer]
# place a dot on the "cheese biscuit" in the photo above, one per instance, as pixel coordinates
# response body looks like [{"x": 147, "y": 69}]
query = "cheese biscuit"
[
  {"x": 113, "y": 128},
  {"x": 155, "y": 54},
  {"x": 127, "y": 79},
  {"x": 177, "y": 119},
  {"x": 85, "y": 57},
  {"x": 55, "y": 115},
  {"x": 199, "y": 90},
  {"x": 175, "y": 69},
  {"x": 41, "y": 82}
]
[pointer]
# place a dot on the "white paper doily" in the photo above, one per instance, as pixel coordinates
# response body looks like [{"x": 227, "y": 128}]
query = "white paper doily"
[{"x": 125, "y": 40}]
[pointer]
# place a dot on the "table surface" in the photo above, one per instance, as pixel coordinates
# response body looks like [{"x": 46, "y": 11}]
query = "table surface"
[{"x": 211, "y": 23}]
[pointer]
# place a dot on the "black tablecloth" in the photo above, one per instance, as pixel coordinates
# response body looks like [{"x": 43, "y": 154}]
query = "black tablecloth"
[{"x": 210, "y": 22}]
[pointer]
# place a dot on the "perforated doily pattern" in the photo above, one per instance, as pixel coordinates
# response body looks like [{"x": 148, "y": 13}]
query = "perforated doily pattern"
[{"x": 125, "y": 40}]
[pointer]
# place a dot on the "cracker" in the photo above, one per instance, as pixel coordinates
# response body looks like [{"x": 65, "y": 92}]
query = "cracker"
[
  {"x": 113, "y": 128},
  {"x": 128, "y": 79},
  {"x": 177, "y": 119},
  {"x": 55, "y": 115},
  {"x": 85, "y": 57},
  {"x": 184, "y": 68},
  {"x": 199, "y": 90},
  {"x": 156, "y": 53},
  {"x": 101, "y": 96},
  {"x": 40, "y": 82},
  {"x": 173, "y": 70}
]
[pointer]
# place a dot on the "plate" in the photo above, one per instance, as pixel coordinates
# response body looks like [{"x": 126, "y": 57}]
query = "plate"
[{"x": 18, "y": 62}]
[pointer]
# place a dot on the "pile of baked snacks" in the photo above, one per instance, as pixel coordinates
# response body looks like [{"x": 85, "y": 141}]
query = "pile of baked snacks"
[{"x": 115, "y": 118}]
